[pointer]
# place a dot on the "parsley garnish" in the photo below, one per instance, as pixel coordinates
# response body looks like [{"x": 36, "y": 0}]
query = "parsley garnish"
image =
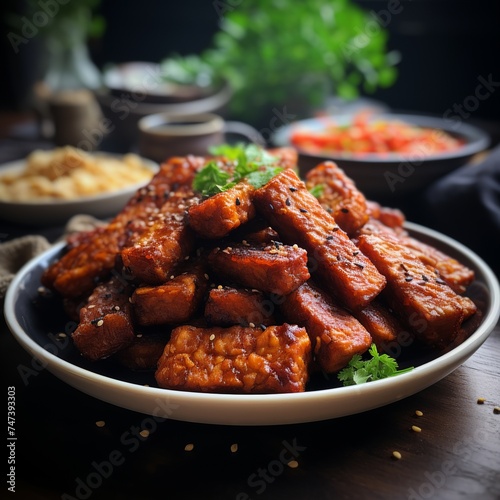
[
  {"x": 380, "y": 366},
  {"x": 252, "y": 163}
]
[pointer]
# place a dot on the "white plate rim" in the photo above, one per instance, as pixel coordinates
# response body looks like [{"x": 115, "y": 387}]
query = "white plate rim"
[{"x": 262, "y": 409}]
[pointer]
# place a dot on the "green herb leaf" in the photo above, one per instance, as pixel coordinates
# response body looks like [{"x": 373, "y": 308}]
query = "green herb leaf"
[
  {"x": 211, "y": 180},
  {"x": 378, "y": 367},
  {"x": 252, "y": 163},
  {"x": 317, "y": 190}
]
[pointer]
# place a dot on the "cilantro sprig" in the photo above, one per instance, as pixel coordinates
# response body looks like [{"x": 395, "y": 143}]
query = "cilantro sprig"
[
  {"x": 252, "y": 163},
  {"x": 378, "y": 367}
]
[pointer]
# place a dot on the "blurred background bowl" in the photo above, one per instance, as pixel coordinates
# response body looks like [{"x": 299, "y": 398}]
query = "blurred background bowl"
[
  {"x": 137, "y": 89},
  {"x": 385, "y": 175}
]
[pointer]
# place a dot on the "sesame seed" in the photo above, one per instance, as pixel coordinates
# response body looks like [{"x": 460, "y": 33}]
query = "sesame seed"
[
  {"x": 288, "y": 202},
  {"x": 481, "y": 401},
  {"x": 295, "y": 246},
  {"x": 144, "y": 433},
  {"x": 396, "y": 455},
  {"x": 344, "y": 210},
  {"x": 303, "y": 210},
  {"x": 251, "y": 325},
  {"x": 100, "y": 423},
  {"x": 292, "y": 189},
  {"x": 212, "y": 337},
  {"x": 408, "y": 278},
  {"x": 91, "y": 306},
  {"x": 334, "y": 229},
  {"x": 415, "y": 428},
  {"x": 234, "y": 448},
  {"x": 496, "y": 410},
  {"x": 172, "y": 276},
  {"x": 189, "y": 447},
  {"x": 238, "y": 203},
  {"x": 418, "y": 413},
  {"x": 100, "y": 322},
  {"x": 206, "y": 276},
  {"x": 271, "y": 206},
  {"x": 220, "y": 287},
  {"x": 130, "y": 299},
  {"x": 116, "y": 308},
  {"x": 139, "y": 335},
  {"x": 329, "y": 238},
  {"x": 361, "y": 266},
  {"x": 61, "y": 335},
  {"x": 293, "y": 464}
]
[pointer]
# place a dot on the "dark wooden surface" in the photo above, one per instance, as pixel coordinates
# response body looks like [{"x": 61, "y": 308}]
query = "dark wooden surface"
[
  {"x": 61, "y": 453},
  {"x": 455, "y": 456}
]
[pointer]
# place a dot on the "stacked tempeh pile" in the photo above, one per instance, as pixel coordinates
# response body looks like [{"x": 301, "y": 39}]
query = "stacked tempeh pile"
[{"x": 252, "y": 289}]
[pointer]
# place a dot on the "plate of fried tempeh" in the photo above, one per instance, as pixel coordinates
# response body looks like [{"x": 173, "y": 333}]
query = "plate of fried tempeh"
[{"x": 231, "y": 291}]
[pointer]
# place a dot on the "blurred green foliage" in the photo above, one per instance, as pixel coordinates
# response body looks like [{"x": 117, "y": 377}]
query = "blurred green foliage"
[{"x": 278, "y": 52}]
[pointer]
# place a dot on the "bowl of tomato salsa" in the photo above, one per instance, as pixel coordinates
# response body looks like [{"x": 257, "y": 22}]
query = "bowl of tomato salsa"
[{"x": 385, "y": 154}]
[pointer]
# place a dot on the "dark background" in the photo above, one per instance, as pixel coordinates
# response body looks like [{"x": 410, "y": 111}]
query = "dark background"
[{"x": 445, "y": 46}]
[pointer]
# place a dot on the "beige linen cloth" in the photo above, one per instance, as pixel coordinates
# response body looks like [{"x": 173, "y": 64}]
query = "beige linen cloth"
[{"x": 15, "y": 253}]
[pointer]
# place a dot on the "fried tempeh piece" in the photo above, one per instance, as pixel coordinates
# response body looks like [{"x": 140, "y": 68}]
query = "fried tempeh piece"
[
  {"x": 391, "y": 217},
  {"x": 236, "y": 359},
  {"x": 143, "y": 353},
  {"x": 339, "y": 196},
  {"x": 77, "y": 271},
  {"x": 228, "y": 306},
  {"x": 335, "y": 334},
  {"x": 381, "y": 324},
  {"x": 174, "y": 302},
  {"x": 299, "y": 218},
  {"x": 415, "y": 293},
  {"x": 275, "y": 268},
  {"x": 457, "y": 275},
  {"x": 164, "y": 244},
  {"x": 220, "y": 214},
  {"x": 105, "y": 323}
]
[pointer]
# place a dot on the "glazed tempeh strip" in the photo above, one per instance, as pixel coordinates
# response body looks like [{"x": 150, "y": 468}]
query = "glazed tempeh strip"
[
  {"x": 105, "y": 322},
  {"x": 236, "y": 359},
  {"x": 339, "y": 196},
  {"x": 415, "y": 292},
  {"x": 226, "y": 306},
  {"x": 335, "y": 334},
  {"x": 172, "y": 303},
  {"x": 220, "y": 214},
  {"x": 274, "y": 268},
  {"x": 298, "y": 217},
  {"x": 164, "y": 244}
]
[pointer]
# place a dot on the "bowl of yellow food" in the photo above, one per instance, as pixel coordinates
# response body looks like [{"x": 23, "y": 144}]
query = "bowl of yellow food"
[{"x": 49, "y": 187}]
